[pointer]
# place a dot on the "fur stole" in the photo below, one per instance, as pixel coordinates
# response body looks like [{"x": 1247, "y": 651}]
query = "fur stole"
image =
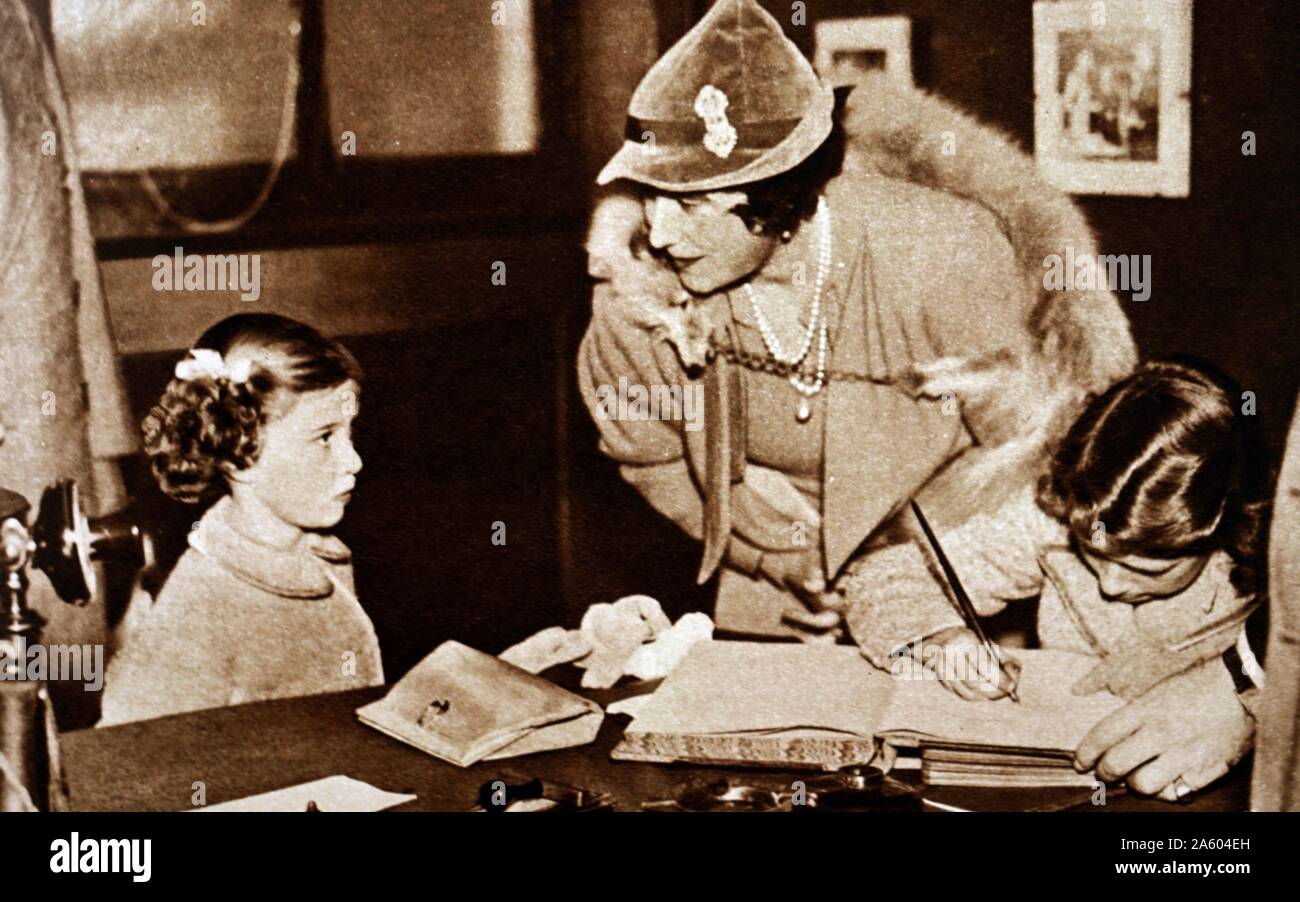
[{"x": 1081, "y": 338}]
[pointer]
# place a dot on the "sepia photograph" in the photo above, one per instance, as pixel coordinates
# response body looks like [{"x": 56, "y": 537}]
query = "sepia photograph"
[
  {"x": 847, "y": 49},
  {"x": 872, "y": 408},
  {"x": 1111, "y": 84}
]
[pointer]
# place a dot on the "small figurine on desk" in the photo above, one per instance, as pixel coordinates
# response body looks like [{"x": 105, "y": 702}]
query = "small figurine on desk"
[{"x": 852, "y": 789}]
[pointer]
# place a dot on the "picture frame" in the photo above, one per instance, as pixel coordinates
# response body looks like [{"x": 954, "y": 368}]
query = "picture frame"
[
  {"x": 1111, "y": 108},
  {"x": 847, "y": 48}
]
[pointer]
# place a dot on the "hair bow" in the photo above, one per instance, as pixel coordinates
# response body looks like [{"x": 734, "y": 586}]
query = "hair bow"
[{"x": 206, "y": 363}]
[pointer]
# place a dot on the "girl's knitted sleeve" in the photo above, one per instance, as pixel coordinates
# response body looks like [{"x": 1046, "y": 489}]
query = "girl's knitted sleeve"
[
  {"x": 178, "y": 658},
  {"x": 897, "y": 595}
]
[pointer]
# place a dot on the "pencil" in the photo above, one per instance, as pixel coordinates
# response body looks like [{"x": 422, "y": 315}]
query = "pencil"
[{"x": 963, "y": 600}]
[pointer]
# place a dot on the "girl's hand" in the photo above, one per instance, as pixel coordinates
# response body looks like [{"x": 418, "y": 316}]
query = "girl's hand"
[
  {"x": 1158, "y": 749},
  {"x": 959, "y": 661}
]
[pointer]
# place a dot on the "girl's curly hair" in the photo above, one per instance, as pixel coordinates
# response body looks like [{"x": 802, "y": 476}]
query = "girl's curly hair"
[{"x": 205, "y": 427}]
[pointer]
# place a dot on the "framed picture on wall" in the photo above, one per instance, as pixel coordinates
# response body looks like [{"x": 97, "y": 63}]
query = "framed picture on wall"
[
  {"x": 1111, "y": 83},
  {"x": 847, "y": 48}
]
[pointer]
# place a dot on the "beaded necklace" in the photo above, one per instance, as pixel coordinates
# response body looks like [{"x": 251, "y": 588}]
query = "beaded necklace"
[{"x": 805, "y": 380}]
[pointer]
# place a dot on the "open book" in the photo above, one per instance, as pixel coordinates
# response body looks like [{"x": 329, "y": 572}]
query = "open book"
[{"x": 795, "y": 705}]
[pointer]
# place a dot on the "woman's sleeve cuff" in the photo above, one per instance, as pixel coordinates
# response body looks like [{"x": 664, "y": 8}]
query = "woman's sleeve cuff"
[{"x": 743, "y": 556}]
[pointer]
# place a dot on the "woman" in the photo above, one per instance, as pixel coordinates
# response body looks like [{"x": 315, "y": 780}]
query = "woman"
[{"x": 857, "y": 292}]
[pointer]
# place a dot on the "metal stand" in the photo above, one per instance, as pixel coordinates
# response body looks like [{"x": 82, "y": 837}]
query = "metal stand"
[
  {"x": 24, "y": 703},
  {"x": 64, "y": 545}
]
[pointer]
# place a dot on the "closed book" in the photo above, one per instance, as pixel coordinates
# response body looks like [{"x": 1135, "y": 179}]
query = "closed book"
[{"x": 464, "y": 706}]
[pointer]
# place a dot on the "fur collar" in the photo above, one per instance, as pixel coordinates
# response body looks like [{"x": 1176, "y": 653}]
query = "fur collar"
[
  {"x": 1081, "y": 337},
  {"x": 902, "y": 133}
]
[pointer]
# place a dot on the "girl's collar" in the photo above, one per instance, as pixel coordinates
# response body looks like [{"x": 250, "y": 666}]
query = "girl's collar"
[{"x": 295, "y": 573}]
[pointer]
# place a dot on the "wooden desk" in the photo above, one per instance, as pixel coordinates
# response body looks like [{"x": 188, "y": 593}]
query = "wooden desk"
[{"x": 248, "y": 749}]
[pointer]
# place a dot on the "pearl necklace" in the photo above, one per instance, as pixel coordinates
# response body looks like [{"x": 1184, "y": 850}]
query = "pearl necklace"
[
  {"x": 817, "y": 324},
  {"x": 810, "y": 389}
]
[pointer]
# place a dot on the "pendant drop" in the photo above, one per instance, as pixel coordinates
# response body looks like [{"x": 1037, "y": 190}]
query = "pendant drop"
[{"x": 804, "y": 412}]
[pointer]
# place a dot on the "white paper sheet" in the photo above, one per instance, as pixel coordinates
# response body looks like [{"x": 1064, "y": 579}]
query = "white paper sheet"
[{"x": 336, "y": 793}]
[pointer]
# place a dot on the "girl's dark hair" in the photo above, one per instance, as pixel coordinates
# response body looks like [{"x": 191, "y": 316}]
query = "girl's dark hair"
[
  {"x": 1169, "y": 467},
  {"x": 203, "y": 426}
]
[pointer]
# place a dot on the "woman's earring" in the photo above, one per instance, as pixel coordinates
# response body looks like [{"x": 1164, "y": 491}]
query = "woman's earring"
[
  {"x": 757, "y": 228},
  {"x": 786, "y": 236}
]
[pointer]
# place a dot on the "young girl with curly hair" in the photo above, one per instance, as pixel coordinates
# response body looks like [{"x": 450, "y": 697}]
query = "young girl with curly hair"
[{"x": 261, "y": 605}]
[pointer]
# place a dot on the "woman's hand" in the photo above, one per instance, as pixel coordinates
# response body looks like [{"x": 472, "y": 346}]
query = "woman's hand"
[
  {"x": 1180, "y": 736},
  {"x": 821, "y": 619},
  {"x": 817, "y": 617},
  {"x": 959, "y": 661}
]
